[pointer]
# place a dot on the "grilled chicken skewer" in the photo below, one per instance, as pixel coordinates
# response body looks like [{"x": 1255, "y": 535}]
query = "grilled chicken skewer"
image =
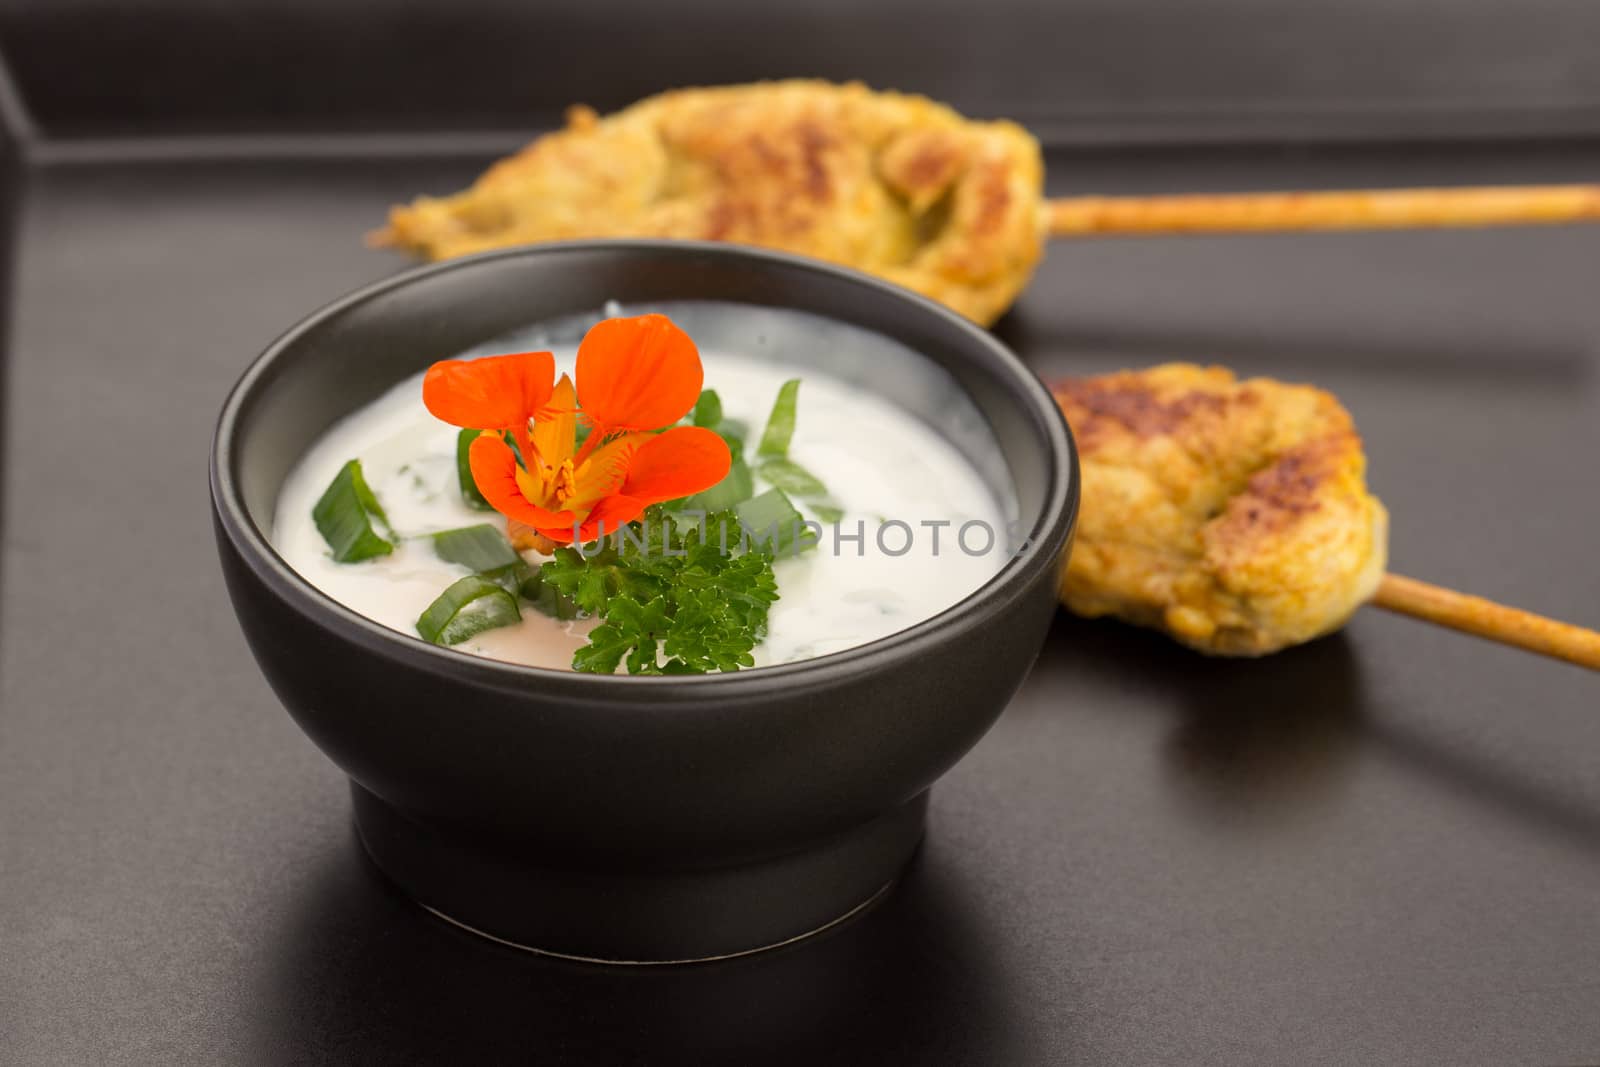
[
  {"x": 893, "y": 184},
  {"x": 1235, "y": 517}
]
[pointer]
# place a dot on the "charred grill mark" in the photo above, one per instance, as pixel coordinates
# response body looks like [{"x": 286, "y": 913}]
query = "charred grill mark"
[
  {"x": 723, "y": 218},
  {"x": 1092, "y": 405},
  {"x": 1291, "y": 485},
  {"x": 769, "y": 157},
  {"x": 994, "y": 200},
  {"x": 923, "y": 167},
  {"x": 814, "y": 145},
  {"x": 930, "y": 168},
  {"x": 1279, "y": 495}
]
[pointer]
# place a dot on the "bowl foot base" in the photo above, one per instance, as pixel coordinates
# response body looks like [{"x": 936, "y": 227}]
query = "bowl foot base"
[{"x": 682, "y": 916}]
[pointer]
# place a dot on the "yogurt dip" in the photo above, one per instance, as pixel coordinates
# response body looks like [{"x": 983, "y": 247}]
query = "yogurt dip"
[{"x": 921, "y": 529}]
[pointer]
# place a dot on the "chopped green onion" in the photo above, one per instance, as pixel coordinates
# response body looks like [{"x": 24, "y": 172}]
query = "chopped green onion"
[
  {"x": 469, "y": 488},
  {"x": 795, "y": 480},
  {"x": 785, "y": 474},
  {"x": 478, "y": 548},
  {"x": 344, "y": 517},
  {"x": 469, "y": 607},
  {"x": 792, "y": 478},
  {"x": 520, "y": 578},
  {"x": 771, "y": 519},
  {"x": 547, "y": 599},
  {"x": 737, "y": 484},
  {"x": 737, "y": 487},
  {"x": 780, "y": 424},
  {"x": 485, "y": 550},
  {"x": 708, "y": 409},
  {"x": 707, "y": 414},
  {"x": 734, "y": 432}
]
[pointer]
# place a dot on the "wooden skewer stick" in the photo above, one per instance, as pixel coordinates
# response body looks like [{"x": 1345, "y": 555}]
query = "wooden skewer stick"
[
  {"x": 1486, "y": 619},
  {"x": 1352, "y": 210}
]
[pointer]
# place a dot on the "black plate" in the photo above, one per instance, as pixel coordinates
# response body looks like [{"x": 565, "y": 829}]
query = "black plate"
[{"x": 1379, "y": 848}]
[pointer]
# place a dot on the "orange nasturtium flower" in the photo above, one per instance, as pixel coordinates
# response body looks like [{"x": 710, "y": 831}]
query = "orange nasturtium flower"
[{"x": 635, "y": 376}]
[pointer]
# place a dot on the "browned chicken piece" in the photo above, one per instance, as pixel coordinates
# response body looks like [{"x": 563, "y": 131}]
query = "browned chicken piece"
[
  {"x": 1233, "y": 515},
  {"x": 893, "y": 184}
]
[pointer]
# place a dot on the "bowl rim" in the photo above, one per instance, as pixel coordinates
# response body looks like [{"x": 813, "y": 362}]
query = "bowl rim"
[{"x": 1046, "y": 540}]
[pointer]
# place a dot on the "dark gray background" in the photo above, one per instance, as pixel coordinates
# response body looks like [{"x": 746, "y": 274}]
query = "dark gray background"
[
  {"x": 1109, "y": 71},
  {"x": 1381, "y": 847}
]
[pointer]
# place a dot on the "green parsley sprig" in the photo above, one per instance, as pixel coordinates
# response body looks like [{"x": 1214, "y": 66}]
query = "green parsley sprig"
[{"x": 675, "y": 598}]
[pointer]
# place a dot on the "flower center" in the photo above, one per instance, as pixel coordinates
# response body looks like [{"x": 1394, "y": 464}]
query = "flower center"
[{"x": 564, "y": 484}]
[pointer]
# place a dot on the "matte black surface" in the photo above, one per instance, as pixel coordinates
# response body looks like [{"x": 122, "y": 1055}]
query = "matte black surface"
[
  {"x": 1383, "y": 847},
  {"x": 1087, "y": 70}
]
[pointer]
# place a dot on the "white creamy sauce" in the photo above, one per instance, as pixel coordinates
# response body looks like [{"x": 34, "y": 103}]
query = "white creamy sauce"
[{"x": 878, "y": 462}]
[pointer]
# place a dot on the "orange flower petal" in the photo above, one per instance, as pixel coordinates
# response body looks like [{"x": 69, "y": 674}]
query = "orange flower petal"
[
  {"x": 494, "y": 469},
  {"x": 681, "y": 461},
  {"x": 612, "y": 513},
  {"x": 492, "y": 393},
  {"x": 641, "y": 373}
]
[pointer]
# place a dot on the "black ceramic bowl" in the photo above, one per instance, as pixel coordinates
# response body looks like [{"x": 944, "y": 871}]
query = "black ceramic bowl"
[{"x": 632, "y": 818}]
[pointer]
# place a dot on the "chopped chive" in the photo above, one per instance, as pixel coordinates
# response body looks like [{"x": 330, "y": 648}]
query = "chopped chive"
[
  {"x": 735, "y": 488},
  {"x": 771, "y": 519},
  {"x": 344, "y": 517},
  {"x": 467, "y": 608},
  {"x": 469, "y": 488},
  {"x": 780, "y": 424},
  {"x": 478, "y": 548}
]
